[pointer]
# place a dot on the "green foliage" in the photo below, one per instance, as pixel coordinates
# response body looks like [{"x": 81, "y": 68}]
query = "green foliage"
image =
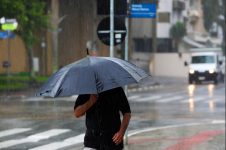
[
  {"x": 32, "y": 19},
  {"x": 211, "y": 12},
  {"x": 30, "y": 15},
  {"x": 20, "y": 81},
  {"x": 13, "y": 86},
  {"x": 178, "y": 31}
]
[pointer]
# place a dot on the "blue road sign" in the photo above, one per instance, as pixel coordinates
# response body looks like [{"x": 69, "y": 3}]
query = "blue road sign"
[
  {"x": 143, "y": 11},
  {"x": 5, "y": 35}
]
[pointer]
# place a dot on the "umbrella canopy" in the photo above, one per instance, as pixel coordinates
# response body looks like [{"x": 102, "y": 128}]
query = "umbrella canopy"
[{"x": 92, "y": 75}]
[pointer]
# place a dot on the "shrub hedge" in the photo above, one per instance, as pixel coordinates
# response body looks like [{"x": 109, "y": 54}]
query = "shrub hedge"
[{"x": 20, "y": 81}]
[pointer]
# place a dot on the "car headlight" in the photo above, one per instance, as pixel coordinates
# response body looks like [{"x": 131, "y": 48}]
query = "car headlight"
[
  {"x": 191, "y": 71},
  {"x": 211, "y": 71}
]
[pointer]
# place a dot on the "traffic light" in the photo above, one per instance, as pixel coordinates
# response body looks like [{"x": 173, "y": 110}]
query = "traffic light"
[{"x": 120, "y": 7}]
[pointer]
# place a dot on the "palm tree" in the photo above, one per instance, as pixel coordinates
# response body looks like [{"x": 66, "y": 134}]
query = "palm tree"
[{"x": 177, "y": 32}]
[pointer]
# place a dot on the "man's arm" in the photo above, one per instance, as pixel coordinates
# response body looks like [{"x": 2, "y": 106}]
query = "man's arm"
[
  {"x": 118, "y": 137},
  {"x": 81, "y": 109}
]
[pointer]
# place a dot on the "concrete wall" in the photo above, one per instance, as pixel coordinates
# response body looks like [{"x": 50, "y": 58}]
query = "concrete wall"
[
  {"x": 162, "y": 64},
  {"x": 169, "y": 64},
  {"x": 17, "y": 55}
]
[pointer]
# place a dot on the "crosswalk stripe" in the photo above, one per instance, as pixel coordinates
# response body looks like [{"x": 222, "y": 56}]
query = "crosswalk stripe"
[
  {"x": 67, "y": 142},
  {"x": 33, "y": 138},
  {"x": 169, "y": 99},
  {"x": 150, "y": 98},
  {"x": 13, "y": 131},
  {"x": 216, "y": 100},
  {"x": 34, "y": 99},
  {"x": 133, "y": 97},
  {"x": 46, "y": 134},
  {"x": 145, "y": 99},
  {"x": 196, "y": 99}
]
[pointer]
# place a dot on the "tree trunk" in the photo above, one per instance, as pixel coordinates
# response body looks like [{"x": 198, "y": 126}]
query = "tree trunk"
[
  {"x": 30, "y": 61},
  {"x": 54, "y": 23}
]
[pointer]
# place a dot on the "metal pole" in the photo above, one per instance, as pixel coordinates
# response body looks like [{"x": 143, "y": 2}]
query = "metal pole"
[
  {"x": 154, "y": 43},
  {"x": 154, "y": 39},
  {"x": 126, "y": 57},
  {"x": 127, "y": 39},
  {"x": 111, "y": 28},
  {"x": 8, "y": 55},
  {"x": 8, "y": 59}
]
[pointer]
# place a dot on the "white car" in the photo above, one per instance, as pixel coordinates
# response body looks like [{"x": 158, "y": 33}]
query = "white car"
[{"x": 205, "y": 65}]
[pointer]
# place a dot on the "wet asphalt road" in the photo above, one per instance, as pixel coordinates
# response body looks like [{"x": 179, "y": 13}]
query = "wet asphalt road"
[{"x": 169, "y": 104}]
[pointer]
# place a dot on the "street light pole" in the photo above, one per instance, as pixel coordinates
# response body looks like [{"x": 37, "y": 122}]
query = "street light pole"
[
  {"x": 111, "y": 28},
  {"x": 126, "y": 57}
]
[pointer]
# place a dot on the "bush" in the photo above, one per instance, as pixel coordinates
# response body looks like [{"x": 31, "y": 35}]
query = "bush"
[{"x": 20, "y": 81}]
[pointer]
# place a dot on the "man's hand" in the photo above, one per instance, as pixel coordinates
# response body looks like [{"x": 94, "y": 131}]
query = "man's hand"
[{"x": 118, "y": 137}]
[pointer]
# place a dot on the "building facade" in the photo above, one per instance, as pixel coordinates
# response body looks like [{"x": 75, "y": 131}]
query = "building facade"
[{"x": 74, "y": 28}]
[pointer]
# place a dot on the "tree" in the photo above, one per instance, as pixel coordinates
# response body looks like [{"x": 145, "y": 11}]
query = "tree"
[
  {"x": 31, "y": 17},
  {"x": 214, "y": 11},
  {"x": 210, "y": 11},
  {"x": 177, "y": 32}
]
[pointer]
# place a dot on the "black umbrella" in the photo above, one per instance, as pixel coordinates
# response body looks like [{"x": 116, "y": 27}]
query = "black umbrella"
[{"x": 92, "y": 75}]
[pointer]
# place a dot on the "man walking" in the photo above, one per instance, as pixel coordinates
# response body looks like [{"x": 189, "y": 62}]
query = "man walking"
[{"x": 104, "y": 128}]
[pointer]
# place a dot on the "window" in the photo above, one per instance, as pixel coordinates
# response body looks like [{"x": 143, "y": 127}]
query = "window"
[
  {"x": 202, "y": 59},
  {"x": 164, "y": 45},
  {"x": 164, "y": 17},
  {"x": 142, "y": 44},
  {"x": 103, "y": 7},
  {"x": 145, "y": 45}
]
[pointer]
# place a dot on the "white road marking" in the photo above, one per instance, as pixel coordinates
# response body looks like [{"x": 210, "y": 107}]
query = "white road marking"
[
  {"x": 196, "y": 99},
  {"x": 140, "y": 131},
  {"x": 13, "y": 131},
  {"x": 67, "y": 142},
  {"x": 218, "y": 121},
  {"x": 136, "y": 98},
  {"x": 169, "y": 99},
  {"x": 134, "y": 132},
  {"x": 133, "y": 97},
  {"x": 216, "y": 100},
  {"x": 34, "y": 99},
  {"x": 33, "y": 138}
]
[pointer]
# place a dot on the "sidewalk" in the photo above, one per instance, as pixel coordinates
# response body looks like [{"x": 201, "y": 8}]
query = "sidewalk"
[
  {"x": 152, "y": 83},
  {"x": 210, "y": 136}
]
